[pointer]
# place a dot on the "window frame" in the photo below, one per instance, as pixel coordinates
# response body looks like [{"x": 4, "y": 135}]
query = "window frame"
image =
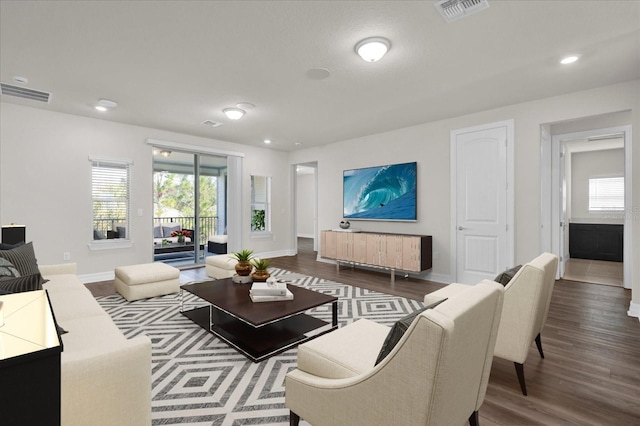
[
  {"x": 266, "y": 203},
  {"x": 113, "y": 163}
]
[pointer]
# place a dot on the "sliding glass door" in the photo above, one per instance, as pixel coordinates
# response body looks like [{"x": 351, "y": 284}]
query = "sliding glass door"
[{"x": 189, "y": 205}]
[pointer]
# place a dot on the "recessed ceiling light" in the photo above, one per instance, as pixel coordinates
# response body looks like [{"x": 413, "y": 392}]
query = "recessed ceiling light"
[
  {"x": 101, "y": 108},
  {"x": 372, "y": 49},
  {"x": 267, "y": 141},
  {"x": 20, "y": 79},
  {"x": 318, "y": 73},
  {"x": 245, "y": 105},
  {"x": 233, "y": 113},
  {"x": 569, "y": 59}
]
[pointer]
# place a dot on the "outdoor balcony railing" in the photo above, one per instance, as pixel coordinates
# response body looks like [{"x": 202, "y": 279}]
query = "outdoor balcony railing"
[{"x": 208, "y": 225}]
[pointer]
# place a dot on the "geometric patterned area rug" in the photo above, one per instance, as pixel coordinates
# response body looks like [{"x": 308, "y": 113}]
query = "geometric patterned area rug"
[{"x": 197, "y": 379}]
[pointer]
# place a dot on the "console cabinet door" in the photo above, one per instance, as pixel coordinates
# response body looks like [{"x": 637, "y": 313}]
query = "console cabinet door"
[
  {"x": 329, "y": 242},
  {"x": 344, "y": 242},
  {"x": 394, "y": 252},
  {"x": 376, "y": 249},
  {"x": 359, "y": 248},
  {"x": 411, "y": 251}
]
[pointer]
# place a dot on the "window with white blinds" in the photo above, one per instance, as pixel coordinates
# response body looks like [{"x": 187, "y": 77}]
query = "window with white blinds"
[
  {"x": 606, "y": 194},
  {"x": 260, "y": 204},
  {"x": 110, "y": 189}
]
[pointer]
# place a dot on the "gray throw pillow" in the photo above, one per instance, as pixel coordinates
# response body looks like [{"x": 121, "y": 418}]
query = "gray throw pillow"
[
  {"x": 7, "y": 269},
  {"x": 398, "y": 330},
  {"x": 167, "y": 230},
  {"x": 20, "y": 284},
  {"x": 23, "y": 258},
  {"x": 157, "y": 232},
  {"x": 507, "y": 275}
]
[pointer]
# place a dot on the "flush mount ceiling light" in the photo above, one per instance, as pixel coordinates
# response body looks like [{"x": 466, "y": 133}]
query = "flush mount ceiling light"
[
  {"x": 569, "y": 59},
  {"x": 372, "y": 49},
  {"x": 233, "y": 113},
  {"x": 105, "y": 104},
  {"x": 267, "y": 141}
]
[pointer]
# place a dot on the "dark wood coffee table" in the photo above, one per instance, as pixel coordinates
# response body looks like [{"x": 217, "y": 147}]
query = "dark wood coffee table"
[{"x": 257, "y": 330}]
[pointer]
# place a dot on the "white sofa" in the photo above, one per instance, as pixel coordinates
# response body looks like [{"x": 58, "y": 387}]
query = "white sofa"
[
  {"x": 162, "y": 231},
  {"x": 106, "y": 378}
]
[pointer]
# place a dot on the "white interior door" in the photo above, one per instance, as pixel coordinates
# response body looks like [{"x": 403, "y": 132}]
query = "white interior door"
[
  {"x": 483, "y": 201},
  {"x": 564, "y": 219}
]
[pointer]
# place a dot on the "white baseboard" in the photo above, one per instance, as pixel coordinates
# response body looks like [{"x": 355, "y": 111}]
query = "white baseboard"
[
  {"x": 97, "y": 277},
  {"x": 634, "y": 310}
]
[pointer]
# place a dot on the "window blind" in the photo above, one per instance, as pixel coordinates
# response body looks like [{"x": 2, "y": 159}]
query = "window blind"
[{"x": 606, "y": 194}]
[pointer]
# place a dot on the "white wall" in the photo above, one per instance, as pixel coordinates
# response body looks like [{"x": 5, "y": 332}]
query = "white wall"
[
  {"x": 305, "y": 192},
  {"x": 45, "y": 183},
  {"x": 429, "y": 144},
  {"x": 593, "y": 164}
]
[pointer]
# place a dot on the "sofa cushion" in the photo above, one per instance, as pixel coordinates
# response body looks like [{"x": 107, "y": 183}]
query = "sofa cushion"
[
  {"x": 20, "y": 284},
  {"x": 7, "y": 269},
  {"x": 507, "y": 275},
  {"x": 168, "y": 228},
  {"x": 345, "y": 352},
  {"x": 398, "y": 330}
]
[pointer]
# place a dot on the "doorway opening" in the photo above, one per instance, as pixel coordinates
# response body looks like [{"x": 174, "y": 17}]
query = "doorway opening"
[
  {"x": 579, "y": 229},
  {"x": 306, "y": 211}
]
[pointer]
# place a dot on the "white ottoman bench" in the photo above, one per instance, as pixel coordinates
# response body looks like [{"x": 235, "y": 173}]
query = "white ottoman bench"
[
  {"x": 217, "y": 244},
  {"x": 136, "y": 282},
  {"x": 221, "y": 266}
]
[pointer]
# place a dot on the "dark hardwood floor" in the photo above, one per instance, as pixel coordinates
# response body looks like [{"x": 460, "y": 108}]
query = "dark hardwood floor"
[{"x": 591, "y": 371}]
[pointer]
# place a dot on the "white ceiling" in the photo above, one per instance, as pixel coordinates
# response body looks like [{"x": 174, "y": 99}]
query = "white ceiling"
[{"x": 173, "y": 64}]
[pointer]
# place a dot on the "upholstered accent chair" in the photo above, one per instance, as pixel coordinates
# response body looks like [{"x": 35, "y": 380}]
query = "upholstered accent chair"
[
  {"x": 527, "y": 297},
  {"x": 436, "y": 374}
]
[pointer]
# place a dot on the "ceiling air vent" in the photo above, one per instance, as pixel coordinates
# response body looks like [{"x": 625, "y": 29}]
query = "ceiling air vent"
[
  {"x": 452, "y": 10},
  {"x": 212, "y": 123},
  {"x": 24, "y": 93}
]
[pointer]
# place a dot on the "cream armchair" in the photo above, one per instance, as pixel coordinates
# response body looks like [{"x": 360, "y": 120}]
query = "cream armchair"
[
  {"x": 526, "y": 304},
  {"x": 436, "y": 374}
]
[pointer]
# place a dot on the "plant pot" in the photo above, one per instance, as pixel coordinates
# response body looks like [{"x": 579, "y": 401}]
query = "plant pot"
[
  {"x": 260, "y": 275},
  {"x": 244, "y": 268},
  {"x": 181, "y": 239}
]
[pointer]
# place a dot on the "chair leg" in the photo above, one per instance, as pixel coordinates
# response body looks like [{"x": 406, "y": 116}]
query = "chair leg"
[
  {"x": 539, "y": 345},
  {"x": 474, "y": 420},
  {"x": 294, "y": 419},
  {"x": 520, "y": 373}
]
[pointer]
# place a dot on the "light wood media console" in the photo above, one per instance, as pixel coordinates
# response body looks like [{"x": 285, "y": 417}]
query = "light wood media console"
[{"x": 408, "y": 253}]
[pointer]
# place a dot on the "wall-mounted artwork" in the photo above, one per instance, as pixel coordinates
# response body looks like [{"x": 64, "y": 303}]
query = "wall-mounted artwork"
[{"x": 381, "y": 192}]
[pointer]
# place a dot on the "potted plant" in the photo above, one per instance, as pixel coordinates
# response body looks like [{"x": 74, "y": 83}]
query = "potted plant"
[
  {"x": 261, "y": 273},
  {"x": 244, "y": 266}
]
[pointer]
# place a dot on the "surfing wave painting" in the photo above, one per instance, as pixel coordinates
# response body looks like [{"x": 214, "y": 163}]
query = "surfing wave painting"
[{"x": 381, "y": 193}]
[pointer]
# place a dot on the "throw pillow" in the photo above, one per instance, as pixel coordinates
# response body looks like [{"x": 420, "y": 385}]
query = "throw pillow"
[
  {"x": 398, "y": 330},
  {"x": 7, "y": 269},
  {"x": 23, "y": 258},
  {"x": 60, "y": 330},
  {"x": 9, "y": 246},
  {"x": 507, "y": 275},
  {"x": 20, "y": 284},
  {"x": 122, "y": 231},
  {"x": 157, "y": 231},
  {"x": 167, "y": 230}
]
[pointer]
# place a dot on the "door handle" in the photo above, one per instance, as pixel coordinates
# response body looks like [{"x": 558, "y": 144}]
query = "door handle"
[{"x": 460, "y": 228}]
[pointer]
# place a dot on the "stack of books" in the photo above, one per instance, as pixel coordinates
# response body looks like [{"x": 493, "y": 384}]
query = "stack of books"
[{"x": 270, "y": 291}]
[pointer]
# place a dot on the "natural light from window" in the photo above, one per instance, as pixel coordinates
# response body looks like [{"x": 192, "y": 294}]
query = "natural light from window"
[{"x": 606, "y": 194}]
